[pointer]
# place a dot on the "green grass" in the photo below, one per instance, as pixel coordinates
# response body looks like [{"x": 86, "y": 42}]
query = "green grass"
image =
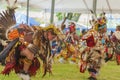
[{"x": 109, "y": 71}]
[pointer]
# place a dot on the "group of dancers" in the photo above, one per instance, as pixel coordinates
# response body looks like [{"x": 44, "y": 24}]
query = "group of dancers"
[{"x": 28, "y": 45}]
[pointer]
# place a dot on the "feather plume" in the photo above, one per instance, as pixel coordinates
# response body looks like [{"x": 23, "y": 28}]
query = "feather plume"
[{"x": 7, "y": 19}]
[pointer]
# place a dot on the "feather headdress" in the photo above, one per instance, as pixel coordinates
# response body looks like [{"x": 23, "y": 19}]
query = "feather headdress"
[
  {"x": 99, "y": 23},
  {"x": 52, "y": 28}
]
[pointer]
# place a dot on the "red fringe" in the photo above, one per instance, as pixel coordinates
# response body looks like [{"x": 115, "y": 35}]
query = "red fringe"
[
  {"x": 18, "y": 68},
  {"x": 8, "y": 68},
  {"x": 34, "y": 67}
]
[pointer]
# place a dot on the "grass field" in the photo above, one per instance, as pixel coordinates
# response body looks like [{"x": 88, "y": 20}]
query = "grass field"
[{"x": 109, "y": 71}]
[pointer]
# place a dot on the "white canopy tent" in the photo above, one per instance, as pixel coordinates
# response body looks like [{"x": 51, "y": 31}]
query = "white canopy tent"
[
  {"x": 77, "y": 6},
  {"x": 80, "y": 6}
]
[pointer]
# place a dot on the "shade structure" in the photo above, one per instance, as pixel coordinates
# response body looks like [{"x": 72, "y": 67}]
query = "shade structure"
[
  {"x": 71, "y": 5},
  {"x": 80, "y": 6},
  {"x": 77, "y": 6}
]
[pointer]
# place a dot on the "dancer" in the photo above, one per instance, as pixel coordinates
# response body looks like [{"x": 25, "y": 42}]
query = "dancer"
[
  {"x": 95, "y": 47},
  {"x": 116, "y": 40}
]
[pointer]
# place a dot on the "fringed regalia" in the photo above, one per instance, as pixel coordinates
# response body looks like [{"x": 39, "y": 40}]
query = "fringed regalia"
[
  {"x": 93, "y": 55},
  {"x": 116, "y": 41},
  {"x": 25, "y": 46}
]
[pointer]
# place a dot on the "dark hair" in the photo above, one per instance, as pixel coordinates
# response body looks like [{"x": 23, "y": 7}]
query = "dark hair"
[
  {"x": 83, "y": 31},
  {"x": 118, "y": 27}
]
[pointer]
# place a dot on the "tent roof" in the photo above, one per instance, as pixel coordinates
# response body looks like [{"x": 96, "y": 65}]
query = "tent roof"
[
  {"x": 72, "y": 5},
  {"x": 75, "y": 5}
]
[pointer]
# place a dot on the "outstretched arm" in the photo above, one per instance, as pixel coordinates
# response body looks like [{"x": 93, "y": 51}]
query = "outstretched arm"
[{"x": 63, "y": 23}]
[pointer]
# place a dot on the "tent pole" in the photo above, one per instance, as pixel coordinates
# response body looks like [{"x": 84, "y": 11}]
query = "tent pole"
[
  {"x": 52, "y": 11},
  {"x": 94, "y": 6},
  {"x": 27, "y": 11}
]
